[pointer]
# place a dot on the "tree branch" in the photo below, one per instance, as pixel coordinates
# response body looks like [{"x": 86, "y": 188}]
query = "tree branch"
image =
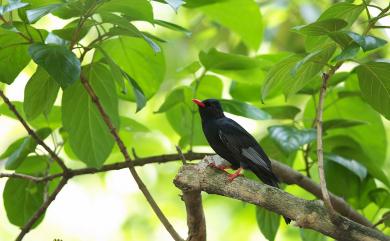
[
  {"x": 196, "y": 221},
  {"x": 32, "y": 133},
  {"x": 284, "y": 172},
  {"x": 320, "y": 153},
  {"x": 307, "y": 214},
  {"x": 27, "y": 227},
  {"x": 126, "y": 155}
]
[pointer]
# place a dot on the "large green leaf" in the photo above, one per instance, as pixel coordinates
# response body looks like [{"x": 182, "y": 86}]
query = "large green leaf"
[
  {"x": 340, "y": 179},
  {"x": 352, "y": 165},
  {"x": 12, "y": 5},
  {"x": 311, "y": 235},
  {"x": 22, "y": 198},
  {"x": 89, "y": 136},
  {"x": 268, "y": 222},
  {"x": 292, "y": 73},
  {"x": 374, "y": 80},
  {"x": 245, "y": 91},
  {"x": 67, "y": 32},
  {"x": 275, "y": 152},
  {"x": 367, "y": 42},
  {"x": 236, "y": 107},
  {"x": 34, "y": 15},
  {"x": 282, "y": 112},
  {"x": 279, "y": 76},
  {"x": 135, "y": 9},
  {"x": 381, "y": 197},
  {"x": 61, "y": 63},
  {"x": 14, "y": 57},
  {"x": 340, "y": 123},
  {"x": 250, "y": 24},
  {"x": 39, "y": 94},
  {"x": 21, "y": 148},
  {"x": 136, "y": 58},
  {"x": 52, "y": 120},
  {"x": 290, "y": 138},
  {"x": 215, "y": 60},
  {"x": 321, "y": 27},
  {"x": 177, "y": 96}
]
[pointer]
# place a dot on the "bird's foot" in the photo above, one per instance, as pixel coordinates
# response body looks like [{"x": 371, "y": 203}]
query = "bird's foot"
[
  {"x": 222, "y": 168},
  {"x": 233, "y": 176}
]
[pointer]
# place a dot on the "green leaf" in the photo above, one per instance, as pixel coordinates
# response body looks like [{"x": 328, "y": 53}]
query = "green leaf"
[
  {"x": 131, "y": 125},
  {"x": 279, "y": 76},
  {"x": 250, "y": 25},
  {"x": 243, "y": 109},
  {"x": 343, "y": 10},
  {"x": 315, "y": 84},
  {"x": 22, "y": 199},
  {"x": 140, "y": 98},
  {"x": 172, "y": 26},
  {"x": 67, "y": 32},
  {"x": 268, "y": 222},
  {"x": 275, "y": 152},
  {"x": 200, "y": 3},
  {"x": 52, "y": 120},
  {"x": 14, "y": 57},
  {"x": 310, "y": 235},
  {"x": 374, "y": 81},
  {"x": 12, "y": 5},
  {"x": 135, "y": 9},
  {"x": 348, "y": 52},
  {"x": 381, "y": 197},
  {"x": 177, "y": 96},
  {"x": 34, "y": 15},
  {"x": 322, "y": 27},
  {"x": 204, "y": 91},
  {"x": 39, "y": 94},
  {"x": 352, "y": 165},
  {"x": 190, "y": 68},
  {"x": 245, "y": 91},
  {"x": 21, "y": 148},
  {"x": 215, "y": 60},
  {"x": 89, "y": 136},
  {"x": 341, "y": 123},
  {"x": 290, "y": 138},
  {"x": 367, "y": 42},
  {"x": 282, "y": 112},
  {"x": 61, "y": 63},
  {"x": 137, "y": 59},
  {"x": 341, "y": 180}
]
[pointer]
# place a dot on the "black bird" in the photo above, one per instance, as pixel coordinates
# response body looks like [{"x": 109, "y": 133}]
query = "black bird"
[{"x": 234, "y": 144}]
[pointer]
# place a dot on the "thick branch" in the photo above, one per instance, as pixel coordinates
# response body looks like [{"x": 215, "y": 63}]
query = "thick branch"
[
  {"x": 284, "y": 172},
  {"x": 307, "y": 214},
  {"x": 27, "y": 227},
  {"x": 196, "y": 221},
  {"x": 126, "y": 155},
  {"x": 32, "y": 133}
]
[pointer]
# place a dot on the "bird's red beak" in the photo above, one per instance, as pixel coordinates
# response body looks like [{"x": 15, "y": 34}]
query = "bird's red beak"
[{"x": 199, "y": 103}]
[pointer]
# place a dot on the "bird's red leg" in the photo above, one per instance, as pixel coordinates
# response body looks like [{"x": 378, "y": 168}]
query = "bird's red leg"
[
  {"x": 231, "y": 177},
  {"x": 222, "y": 168}
]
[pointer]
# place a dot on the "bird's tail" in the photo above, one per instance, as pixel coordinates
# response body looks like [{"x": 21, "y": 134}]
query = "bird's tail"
[{"x": 269, "y": 178}]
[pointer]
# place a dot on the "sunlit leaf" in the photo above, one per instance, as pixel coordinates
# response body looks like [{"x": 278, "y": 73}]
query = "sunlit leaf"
[
  {"x": 244, "y": 109},
  {"x": 34, "y": 15},
  {"x": 290, "y": 138}
]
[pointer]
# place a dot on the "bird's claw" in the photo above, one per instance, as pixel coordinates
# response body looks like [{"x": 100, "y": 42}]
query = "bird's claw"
[
  {"x": 233, "y": 176},
  {"x": 222, "y": 168}
]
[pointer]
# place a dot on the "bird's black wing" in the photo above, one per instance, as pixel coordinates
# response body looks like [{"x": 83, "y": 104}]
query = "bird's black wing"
[{"x": 240, "y": 142}]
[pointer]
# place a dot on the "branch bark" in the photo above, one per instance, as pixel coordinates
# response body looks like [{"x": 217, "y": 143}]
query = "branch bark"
[
  {"x": 163, "y": 219},
  {"x": 196, "y": 221},
  {"x": 307, "y": 214},
  {"x": 284, "y": 172}
]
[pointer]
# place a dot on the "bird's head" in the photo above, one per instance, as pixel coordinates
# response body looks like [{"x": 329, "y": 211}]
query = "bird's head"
[{"x": 209, "y": 109}]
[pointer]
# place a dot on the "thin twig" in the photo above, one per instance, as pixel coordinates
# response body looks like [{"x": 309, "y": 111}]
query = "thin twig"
[
  {"x": 21, "y": 176},
  {"x": 320, "y": 153},
  {"x": 32, "y": 133},
  {"x": 27, "y": 227},
  {"x": 126, "y": 155},
  {"x": 183, "y": 158}
]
